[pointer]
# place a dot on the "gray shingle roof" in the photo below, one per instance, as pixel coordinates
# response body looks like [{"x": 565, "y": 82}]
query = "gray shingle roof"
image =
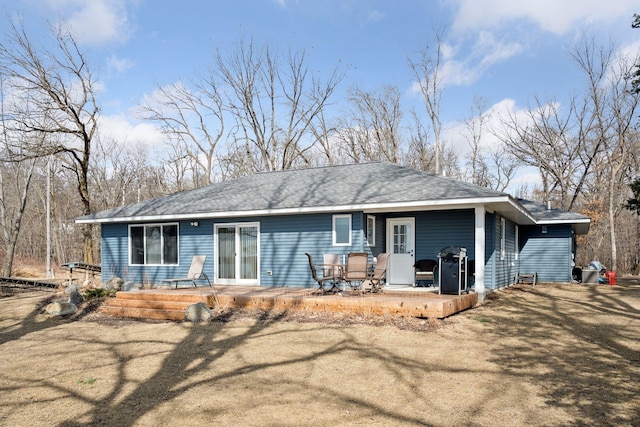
[
  {"x": 324, "y": 188},
  {"x": 544, "y": 213}
]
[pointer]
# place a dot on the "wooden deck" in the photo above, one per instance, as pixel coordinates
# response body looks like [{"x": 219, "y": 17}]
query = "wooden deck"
[{"x": 169, "y": 304}]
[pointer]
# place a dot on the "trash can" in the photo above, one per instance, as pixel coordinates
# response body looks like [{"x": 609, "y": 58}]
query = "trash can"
[
  {"x": 590, "y": 276},
  {"x": 611, "y": 277},
  {"x": 452, "y": 270}
]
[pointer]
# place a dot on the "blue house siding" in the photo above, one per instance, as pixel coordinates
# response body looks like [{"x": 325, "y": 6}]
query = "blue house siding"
[
  {"x": 438, "y": 229},
  {"x": 285, "y": 240},
  {"x": 283, "y": 243},
  {"x": 113, "y": 252},
  {"x": 501, "y": 269},
  {"x": 548, "y": 254},
  {"x": 192, "y": 241}
]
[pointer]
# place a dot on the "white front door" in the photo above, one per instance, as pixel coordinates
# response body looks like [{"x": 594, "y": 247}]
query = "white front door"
[{"x": 401, "y": 245}]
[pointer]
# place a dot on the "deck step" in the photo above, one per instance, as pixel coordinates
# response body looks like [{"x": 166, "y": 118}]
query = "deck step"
[
  {"x": 161, "y": 306},
  {"x": 142, "y": 313}
]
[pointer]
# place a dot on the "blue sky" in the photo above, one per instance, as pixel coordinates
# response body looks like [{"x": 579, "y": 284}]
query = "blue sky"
[{"x": 503, "y": 50}]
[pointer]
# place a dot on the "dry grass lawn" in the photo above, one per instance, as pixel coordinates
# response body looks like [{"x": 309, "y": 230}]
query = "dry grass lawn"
[{"x": 552, "y": 355}]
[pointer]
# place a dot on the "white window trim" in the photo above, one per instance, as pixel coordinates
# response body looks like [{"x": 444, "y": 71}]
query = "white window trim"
[
  {"x": 333, "y": 229},
  {"x": 371, "y": 237},
  {"x": 144, "y": 242}
]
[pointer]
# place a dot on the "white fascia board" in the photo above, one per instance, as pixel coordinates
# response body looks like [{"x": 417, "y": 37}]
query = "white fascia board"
[
  {"x": 580, "y": 226},
  {"x": 367, "y": 208}
]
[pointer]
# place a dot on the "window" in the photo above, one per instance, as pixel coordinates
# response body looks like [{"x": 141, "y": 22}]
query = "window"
[
  {"x": 341, "y": 230},
  {"x": 153, "y": 244},
  {"x": 371, "y": 230},
  {"x": 503, "y": 231}
]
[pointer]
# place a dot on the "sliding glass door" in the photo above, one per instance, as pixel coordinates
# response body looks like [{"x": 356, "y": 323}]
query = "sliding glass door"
[{"x": 237, "y": 253}]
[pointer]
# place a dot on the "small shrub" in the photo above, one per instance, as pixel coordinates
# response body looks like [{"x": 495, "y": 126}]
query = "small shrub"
[
  {"x": 98, "y": 293},
  {"x": 484, "y": 320},
  {"x": 89, "y": 380}
]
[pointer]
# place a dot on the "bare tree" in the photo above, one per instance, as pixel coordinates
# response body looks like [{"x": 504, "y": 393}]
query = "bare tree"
[
  {"x": 420, "y": 154},
  {"x": 56, "y": 92},
  {"x": 547, "y": 139},
  {"x": 118, "y": 173},
  {"x": 326, "y": 136},
  {"x": 274, "y": 106},
  {"x": 612, "y": 113},
  {"x": 192, "y": 119},
  {"x": 474, "y": 126},
  {"x": 583, "y": 152},
  {"x": 371, "y": 131},
  {"x": 427, "y": 71},
  {"x": 15, "y": 180}
]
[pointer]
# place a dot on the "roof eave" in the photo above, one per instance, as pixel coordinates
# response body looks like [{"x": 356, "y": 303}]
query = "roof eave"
[{"x": 366, "y": 207}]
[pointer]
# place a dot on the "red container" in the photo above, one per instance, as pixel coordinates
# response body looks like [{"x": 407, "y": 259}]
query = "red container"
[{"x": 611, "y": 277}]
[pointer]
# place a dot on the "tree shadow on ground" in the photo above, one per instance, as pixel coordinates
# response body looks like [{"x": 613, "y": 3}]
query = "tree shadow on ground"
[
  {"x": 200, "y": 350},
  {"x": 582, "y": 351},
  {"x": 37, "y": 319}
]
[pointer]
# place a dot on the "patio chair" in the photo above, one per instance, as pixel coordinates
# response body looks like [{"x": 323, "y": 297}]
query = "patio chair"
[
  {"x": 379, "y": 273},
  {"x": 195, "y": 273},
  {"x": 320, "y": 280},
  {"x": 331, "y": 265},
  {"x": 425, "y": 272},
  {"x": 357, "y": 269}
]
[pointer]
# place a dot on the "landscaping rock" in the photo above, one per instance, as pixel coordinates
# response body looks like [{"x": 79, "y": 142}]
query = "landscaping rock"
[
  {"x": 61, "y": 308},
  {"x": 130, "y": 286},
  {"x": 114, "y": 284},
  {"x": 198, "y": 312},
  {"x": 75, "y": 298},
  {"x": 71, "y": 289}
]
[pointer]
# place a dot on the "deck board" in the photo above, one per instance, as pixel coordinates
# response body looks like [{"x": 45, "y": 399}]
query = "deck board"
[{"x": 413, "y": 303}]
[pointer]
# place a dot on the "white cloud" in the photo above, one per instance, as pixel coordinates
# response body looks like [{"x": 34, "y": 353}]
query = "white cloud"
[
  {"x": 624, "y": 60},
  {"x": 120, "y": 129},
  {"x": 94, "y": 21},
  {"x": 120, "y": 65},
  {"x": 526, "y": 178},
  {"x": 504, "y": 110},
  {"x": 486, "y": 52},
  {"x": 558, "y": 17}
]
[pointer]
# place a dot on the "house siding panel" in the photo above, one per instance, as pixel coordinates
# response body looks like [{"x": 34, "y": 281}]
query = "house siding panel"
[
  {"x": 283, "y": 243},
  {"x": 500, "y": 270},
  {"x": 114, "y": 250},
  {"x": 548, "y": 254},
  {"x": 285, "y": 240},
  {"x": 192, "y": 241}
]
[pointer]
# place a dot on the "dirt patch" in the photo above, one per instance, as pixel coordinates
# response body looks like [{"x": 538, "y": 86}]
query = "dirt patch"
[{"x": 545, "y": 355}]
